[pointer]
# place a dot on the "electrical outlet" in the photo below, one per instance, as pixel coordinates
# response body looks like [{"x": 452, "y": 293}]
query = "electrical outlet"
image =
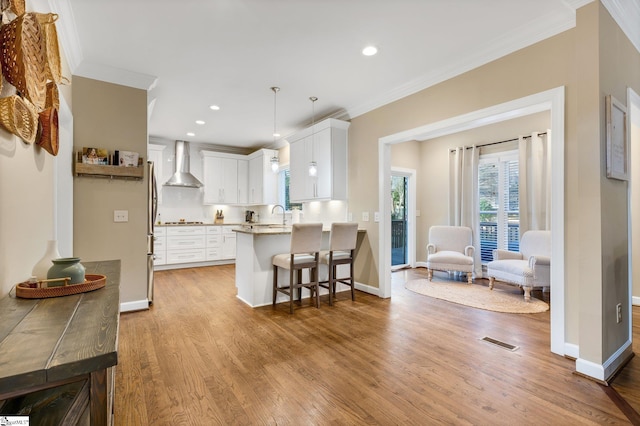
[
  {"x": 619, "y": 313},
  {"x": 365, "y": 216},
  {"x": 121, "y": 215}
]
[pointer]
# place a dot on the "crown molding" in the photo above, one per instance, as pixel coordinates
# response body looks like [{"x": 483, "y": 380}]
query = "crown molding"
[
  {"x": 541, "y": 29},
  {"x": 626, "y": 13},
  {"x": 115, "y": 75},
  {"x": 65, "y": 26}
]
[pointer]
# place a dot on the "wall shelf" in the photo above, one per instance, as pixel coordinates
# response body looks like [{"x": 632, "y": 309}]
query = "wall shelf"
[{"x": 110, "y": 172}]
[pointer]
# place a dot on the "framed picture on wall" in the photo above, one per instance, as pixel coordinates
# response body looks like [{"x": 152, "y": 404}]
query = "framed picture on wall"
[{"x": 617, "y": 143}]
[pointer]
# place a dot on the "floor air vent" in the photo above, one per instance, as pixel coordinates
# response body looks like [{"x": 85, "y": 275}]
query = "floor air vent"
[{"x": 503, "y": 345}]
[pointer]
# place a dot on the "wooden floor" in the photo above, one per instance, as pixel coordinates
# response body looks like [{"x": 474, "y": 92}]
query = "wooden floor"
[
  {"x": 202, "y": 357},
  {"x": 627, "y": 381}
]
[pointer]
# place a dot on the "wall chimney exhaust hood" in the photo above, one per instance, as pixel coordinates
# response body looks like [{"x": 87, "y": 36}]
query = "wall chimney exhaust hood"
[{"x": 182, "y": 176}]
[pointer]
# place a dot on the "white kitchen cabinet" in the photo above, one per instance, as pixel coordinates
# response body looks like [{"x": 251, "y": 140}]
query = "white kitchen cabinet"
[
  {"x": 326, "y": 144},
  {"x": 228, "y": 243},
  {"x": 220, "y": 174},
  {"x": 263, "y": 182},
  {"x": 243, "y": 181},
  {"x": 154, "y": 153},
  {"x": 159, "y": 245},
  {"x": 186, "y": 244},
  {"x": 214, "y": 242}
]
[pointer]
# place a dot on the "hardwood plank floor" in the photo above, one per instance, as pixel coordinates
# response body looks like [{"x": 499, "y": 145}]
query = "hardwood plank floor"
[
  {"x": 627, "y": 381},
  {"x": 200, "y": 356}
]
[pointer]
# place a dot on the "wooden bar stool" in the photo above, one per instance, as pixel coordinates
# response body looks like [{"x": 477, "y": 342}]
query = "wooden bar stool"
[
  {"x": 306, "y": 240},
  {"x": 342, "y": 247}
]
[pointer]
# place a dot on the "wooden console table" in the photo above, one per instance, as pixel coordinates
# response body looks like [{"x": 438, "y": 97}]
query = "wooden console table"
[{"x": 57, "y": 355}]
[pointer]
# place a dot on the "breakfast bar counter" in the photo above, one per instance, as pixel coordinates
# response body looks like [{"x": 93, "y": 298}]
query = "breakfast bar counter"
[{"x": 256, "y": 246}]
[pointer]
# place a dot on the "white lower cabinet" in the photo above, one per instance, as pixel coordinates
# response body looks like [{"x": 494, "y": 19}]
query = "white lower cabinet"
[
  {"x": 159, "y": 246},
  {"x": 176, "y": 245},
  {"x": 185, "y": 244}
]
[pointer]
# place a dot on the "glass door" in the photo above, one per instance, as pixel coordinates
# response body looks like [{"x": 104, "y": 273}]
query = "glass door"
[{"x": 399, "y": 209}]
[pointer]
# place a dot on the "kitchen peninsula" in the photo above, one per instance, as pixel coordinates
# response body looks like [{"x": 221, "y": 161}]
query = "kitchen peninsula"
[{"x": 256, "y": 246}]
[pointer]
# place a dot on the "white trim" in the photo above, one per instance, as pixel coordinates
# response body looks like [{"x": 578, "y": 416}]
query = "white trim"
[
  {"x": 136, "y": 305},
  {"x": 115, "y": 75},
  {"x": 605, "y": 371},
  {"x": 367, "y": 288},
  {"x": 635, "y": 300},
  {"x": 626, "y": 13},
  {"x": 571, "y": 350},
  {"x": 551, "y": 100}
]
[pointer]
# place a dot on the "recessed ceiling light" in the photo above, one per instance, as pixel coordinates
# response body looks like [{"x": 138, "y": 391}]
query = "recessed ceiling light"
[
  {"x": 369, "y": 51},
  {"x": 190, "y": 134},
  {"x": 214, "y": 107},
  {"x": 200, "y": 122}
]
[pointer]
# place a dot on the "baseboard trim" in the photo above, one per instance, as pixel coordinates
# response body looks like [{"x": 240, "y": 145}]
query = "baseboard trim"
[
  {"x": 571, "y": 350},
  {"x": 136, "y": 305},
  {"x": 367, "y": 288},
  {"x": 635, "y": 300},
  {"x": 421, "y": 264},
  {"x": 603, "y": 373}
]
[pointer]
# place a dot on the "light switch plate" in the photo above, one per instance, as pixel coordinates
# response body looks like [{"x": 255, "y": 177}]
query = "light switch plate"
[
  {"x": 365, "y": 216},
  {"x": 417, "y": 213},
  {"x": 121, "y": 215},
  {"x": 350, "y": 217},
  {"x": 376, "y": 216}
]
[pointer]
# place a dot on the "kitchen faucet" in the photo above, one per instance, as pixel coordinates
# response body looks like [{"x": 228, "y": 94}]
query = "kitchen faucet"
[{"x": 283, "y": 212}]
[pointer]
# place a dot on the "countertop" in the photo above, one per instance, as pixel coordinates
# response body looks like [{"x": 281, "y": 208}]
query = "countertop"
[{"x": 273, "y": 229}]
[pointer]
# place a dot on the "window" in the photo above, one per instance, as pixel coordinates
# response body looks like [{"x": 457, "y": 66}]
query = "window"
[
  {"x": 283, "y": 189},
  {"x": 499, "y": 203}
]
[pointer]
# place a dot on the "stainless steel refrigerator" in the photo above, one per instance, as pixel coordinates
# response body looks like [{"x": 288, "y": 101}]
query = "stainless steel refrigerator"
[{"x": 152, "y": 211}]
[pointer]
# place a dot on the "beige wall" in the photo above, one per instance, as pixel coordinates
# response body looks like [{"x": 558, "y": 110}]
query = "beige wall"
[
  {"x": 571, "y": 59},
  {"x": 112, "y": 117},
  {"x": 26, "y": 210}
]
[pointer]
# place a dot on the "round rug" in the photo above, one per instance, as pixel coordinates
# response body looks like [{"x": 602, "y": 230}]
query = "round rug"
[{"x": 477, "y": 296}]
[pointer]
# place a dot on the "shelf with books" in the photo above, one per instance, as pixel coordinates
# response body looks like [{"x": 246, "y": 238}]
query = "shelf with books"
[{"x": 106, "y": 171}]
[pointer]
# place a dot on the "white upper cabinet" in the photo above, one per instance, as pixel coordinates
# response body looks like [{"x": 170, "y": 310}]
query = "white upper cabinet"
[
  {"x": 243, "y": 181},
  {"x": 220, "y": 175},
  {"x": 263, "y": 182},
  {"x": 326, "y": 145},
  {"x": 154, "y": 153}
]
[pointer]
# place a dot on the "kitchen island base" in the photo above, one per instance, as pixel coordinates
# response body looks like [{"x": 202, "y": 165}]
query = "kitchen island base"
[{"x": 254, "y": 269}]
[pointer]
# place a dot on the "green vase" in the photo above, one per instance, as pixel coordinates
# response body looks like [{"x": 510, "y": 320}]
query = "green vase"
[{"x": 67, "y": 267}]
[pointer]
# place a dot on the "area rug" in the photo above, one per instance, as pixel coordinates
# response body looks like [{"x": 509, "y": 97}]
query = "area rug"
[{"x": 477, "y": 296}]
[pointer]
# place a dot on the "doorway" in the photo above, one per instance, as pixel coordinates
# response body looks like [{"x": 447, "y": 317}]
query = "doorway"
[
  {"x": 403, "y": 218},
  {"x": 551, "y": 100}
]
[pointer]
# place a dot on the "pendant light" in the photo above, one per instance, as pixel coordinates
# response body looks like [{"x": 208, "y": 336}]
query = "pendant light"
[
  {"x": 275, "y": 162},
  {"x": 313, "y": 166}
]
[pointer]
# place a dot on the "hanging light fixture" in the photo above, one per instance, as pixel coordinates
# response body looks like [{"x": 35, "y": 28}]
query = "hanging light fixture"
[
  {"x": 275, "y": 162},
  {"x": 313, "y": 166}
]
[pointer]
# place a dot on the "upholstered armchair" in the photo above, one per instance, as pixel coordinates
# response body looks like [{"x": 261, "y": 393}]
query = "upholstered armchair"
[
  {"x": 529, "y": 268},
  {"x": 450, "y": 249}
]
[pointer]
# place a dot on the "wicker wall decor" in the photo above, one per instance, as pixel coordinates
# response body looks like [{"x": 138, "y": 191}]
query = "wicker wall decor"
[
  {"x": 23, "y": 57},
  {"x": 53, "y": 66},
  {"x": 53, "y": 97},
  {"x": 18, "y": 117},
  {"x": 47, "y": 137},
  {"x": 17, "y": 7}
]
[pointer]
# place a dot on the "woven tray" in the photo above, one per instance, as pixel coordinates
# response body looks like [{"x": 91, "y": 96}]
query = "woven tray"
[{"x": 41, "y": 289}]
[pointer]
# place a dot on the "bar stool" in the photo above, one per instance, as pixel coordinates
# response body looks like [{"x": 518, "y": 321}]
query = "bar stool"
[
  {"x": 342, "y": 247},
  {"x": 306, "y": 240}
]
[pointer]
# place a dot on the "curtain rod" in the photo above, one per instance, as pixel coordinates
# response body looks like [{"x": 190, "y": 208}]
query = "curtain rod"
[{"x": 496, "y": 143}]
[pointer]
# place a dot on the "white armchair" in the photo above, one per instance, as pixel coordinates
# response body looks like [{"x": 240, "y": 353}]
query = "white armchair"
[
  {"x": 530, "y": 268},
  {"x": 450, "y": 249}
]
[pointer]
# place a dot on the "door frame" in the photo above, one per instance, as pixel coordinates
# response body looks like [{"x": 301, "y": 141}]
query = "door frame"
[
  {"x": 410, "y": 174},
  {"x": 552, "y": 100}
]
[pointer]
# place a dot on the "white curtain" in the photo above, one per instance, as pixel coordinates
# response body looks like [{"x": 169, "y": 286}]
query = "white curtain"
[
  {"x": 463, "y": 195},
  {"x": 535, "y": 182}
]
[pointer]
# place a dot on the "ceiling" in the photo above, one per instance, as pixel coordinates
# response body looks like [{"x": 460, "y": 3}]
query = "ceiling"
[{"x": 195, "y": 53}]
